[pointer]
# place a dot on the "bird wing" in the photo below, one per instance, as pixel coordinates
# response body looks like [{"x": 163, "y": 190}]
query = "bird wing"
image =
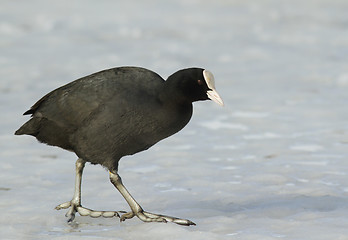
[{"x": 75, "y": 102}]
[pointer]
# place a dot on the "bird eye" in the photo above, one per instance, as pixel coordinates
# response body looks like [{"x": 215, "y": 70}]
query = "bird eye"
[{"x": 200, "y": 82}]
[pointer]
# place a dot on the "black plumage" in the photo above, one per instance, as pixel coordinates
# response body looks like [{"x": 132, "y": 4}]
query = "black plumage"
[{"x": 117, "y": 112}]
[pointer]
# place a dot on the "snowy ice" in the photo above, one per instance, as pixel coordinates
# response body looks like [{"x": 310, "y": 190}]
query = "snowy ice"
[{"x": 271, "y": 164}]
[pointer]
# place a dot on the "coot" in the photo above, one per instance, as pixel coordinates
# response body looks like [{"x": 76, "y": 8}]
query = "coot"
[{"x": 113, "y": 113}]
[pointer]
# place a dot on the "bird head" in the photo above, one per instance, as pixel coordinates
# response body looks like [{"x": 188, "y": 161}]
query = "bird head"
[{"x": 194, "y": 84}]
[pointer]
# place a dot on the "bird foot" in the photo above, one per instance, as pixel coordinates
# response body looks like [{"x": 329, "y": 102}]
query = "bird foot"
[
  {"x": 151, "y": 217},
  {"x": 85, "y": 211}
]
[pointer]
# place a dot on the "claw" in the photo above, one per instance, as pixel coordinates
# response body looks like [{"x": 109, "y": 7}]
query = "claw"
[
  {"x": 63, "y": 205},
  {"x": 71, "y": 218},
  {"x": 184, "y": 222},
  {"x": 125, "y": 216},
  {"x": 151, "y": 217}
]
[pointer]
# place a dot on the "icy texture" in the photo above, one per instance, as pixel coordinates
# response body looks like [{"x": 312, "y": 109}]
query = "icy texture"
[{"x": 271, "y": 164}]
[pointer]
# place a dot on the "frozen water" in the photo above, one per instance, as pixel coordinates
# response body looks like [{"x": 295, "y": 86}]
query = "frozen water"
[{"x": 271, "y": 164}]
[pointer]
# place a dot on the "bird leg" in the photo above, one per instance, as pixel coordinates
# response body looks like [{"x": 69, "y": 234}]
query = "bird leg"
[
  {"x": 75, "y": 203},
  {"x": 137, "y": 209}
]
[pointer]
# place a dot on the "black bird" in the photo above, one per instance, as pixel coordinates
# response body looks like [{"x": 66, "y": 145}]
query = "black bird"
[{"x": 113, "y": 113}]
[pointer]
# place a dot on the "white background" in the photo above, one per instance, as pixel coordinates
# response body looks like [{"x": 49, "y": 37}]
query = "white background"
[{"x": 271, "y": 164}]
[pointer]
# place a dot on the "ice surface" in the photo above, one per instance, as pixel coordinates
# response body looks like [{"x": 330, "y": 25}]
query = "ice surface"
[{"x": 271, "y": 164}]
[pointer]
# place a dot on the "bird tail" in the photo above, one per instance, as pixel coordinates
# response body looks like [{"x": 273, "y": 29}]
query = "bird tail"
[{"x": 30, "y": 128}]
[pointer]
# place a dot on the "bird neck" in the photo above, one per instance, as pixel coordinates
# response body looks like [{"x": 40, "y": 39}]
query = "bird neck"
[{"x": 175, "y": 89}]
